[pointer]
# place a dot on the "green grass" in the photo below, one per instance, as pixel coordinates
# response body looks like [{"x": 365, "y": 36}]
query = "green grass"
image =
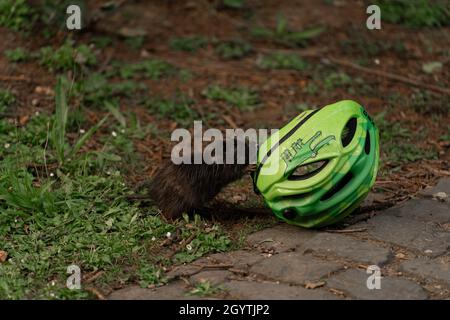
[
  {"x": 367, "y": 47},
  {"x": 233, "y": 4},
  {"x": 398, "y": 143},
  {"x": 150, "y": 68},
  {"x": 135, "y": 43},
  {"x": 446, "y": 136},
  {"x": 57, "y": 136},
  {"x": 326, "y": 81},
  {"x": 282, "y": 61},
  {"x": 17, "y": 55},
  {"x": 66, "y": 57},
  {"x": 416, "y": 13},
  {"x": 6, "y": 100},
  {"x": 178, "y": 109},
  {"x": 123, "y": 135},
  {"x": 102, "y": 42},
  {"x": 336, "y": 80},
  {"x": 425, "y": 103},
  {"x": 211, "y": 239},
  {"x": 15, "y": 15},
  {"x": 311, "y": 88},
  {"x": 241, "y": 97},
  {"x": 205, "y": 288},
  {"x": 188, "y": 44},
  {"x": 282, "y": 34},
  {"x": 61, "y": 205},
  {"x": 149, "y": 275},
  {"x": 233, "y": 49},
  {"x": 96, "y": 89}
]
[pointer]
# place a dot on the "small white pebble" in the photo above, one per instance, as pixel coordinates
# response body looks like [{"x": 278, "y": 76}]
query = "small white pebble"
[
  {"x": 7, "y": 145},
  {"x": 168, "y": 235},
  {"x": 108, "y": 173},
  {"x": 114, "y": 134},
  {"x": 145, "y": 54},
  {"x": 377, "y": 61},
  {"x": 52, "y": 294},
  {"x": 82, "y": 131},
  {"x": 52, "y": 174},
  {"x": 440, "y": 195},
  {"x": 53, "y": 283},
  {"x": 428, "y": 251}
]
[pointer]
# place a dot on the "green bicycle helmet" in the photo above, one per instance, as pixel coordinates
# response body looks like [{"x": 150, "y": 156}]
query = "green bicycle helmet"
[{"x": 319, "y": 167}]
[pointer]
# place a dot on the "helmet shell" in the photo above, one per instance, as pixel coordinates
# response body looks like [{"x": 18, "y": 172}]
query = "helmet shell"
[{"x": 318, "y": 168}]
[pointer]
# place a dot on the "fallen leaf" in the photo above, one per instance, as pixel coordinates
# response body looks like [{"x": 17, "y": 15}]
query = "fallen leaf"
[
  {"x": 338, "y": 292},
  {"x": 432, "y": 67},
  {"x": 313, "y": 285},
  {"x": 400, "y": 255},
  {"x": 132, "y": 32},
  {"x": 3, "y": 256},
  {"x": 44, "y": 90},
  {"x": 23, "y": 120}
]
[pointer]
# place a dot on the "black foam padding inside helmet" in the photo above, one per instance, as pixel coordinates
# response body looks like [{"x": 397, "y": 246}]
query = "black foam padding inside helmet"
[{"x": 348, "y": 132}]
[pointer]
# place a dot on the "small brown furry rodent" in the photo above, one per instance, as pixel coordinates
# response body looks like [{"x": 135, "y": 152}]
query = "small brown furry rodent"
[{"x": 186, "y": 187}]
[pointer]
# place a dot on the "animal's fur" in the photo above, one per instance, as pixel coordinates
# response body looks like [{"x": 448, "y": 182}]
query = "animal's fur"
[{"x": 186, "y": 187}]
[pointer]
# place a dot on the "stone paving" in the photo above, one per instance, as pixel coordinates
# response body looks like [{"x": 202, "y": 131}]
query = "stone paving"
[{"x": 409, "y": 243}]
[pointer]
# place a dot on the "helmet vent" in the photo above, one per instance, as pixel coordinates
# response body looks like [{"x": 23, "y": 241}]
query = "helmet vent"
[
  {"x": 348, "y": 132},
  {"x": 307, "y": 171},
  {"x": 298, "y": 196},
  {"x": 289, "y": 214},
  {"x": 367, "y": 143},
  {"x": 339, "y": 186}
]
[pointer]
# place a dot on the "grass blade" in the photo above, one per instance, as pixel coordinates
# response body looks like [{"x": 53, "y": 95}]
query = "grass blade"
[
  {"x": 79, "y": 144},
  {"x": 116, "y": 113},
  {"x": 60, "y": 120}
]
